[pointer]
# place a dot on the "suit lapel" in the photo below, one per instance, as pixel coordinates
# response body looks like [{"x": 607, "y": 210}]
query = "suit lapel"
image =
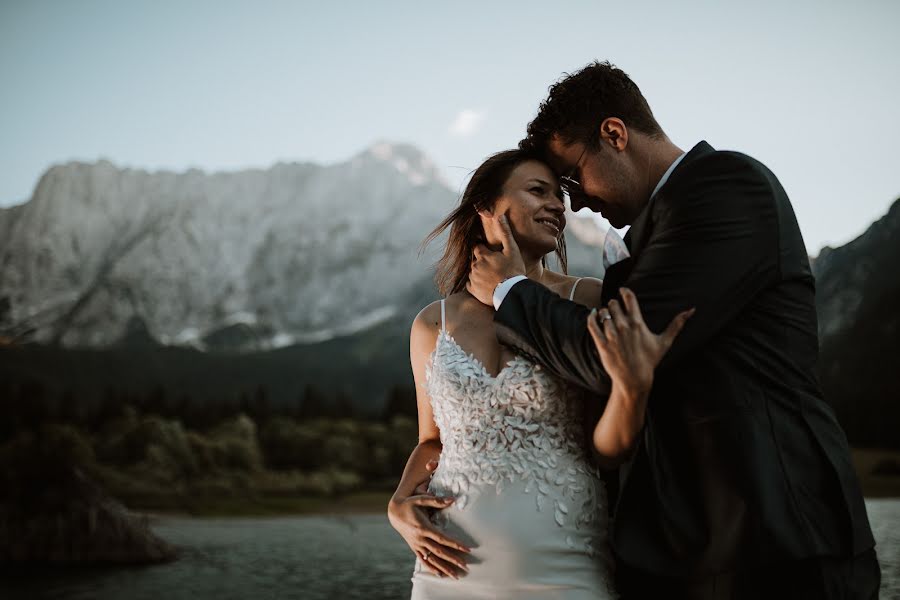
[
  {"x": 636, "y": 238},
  {"x": 614, "y": 278},
  {"x": 641, "y": 230}
]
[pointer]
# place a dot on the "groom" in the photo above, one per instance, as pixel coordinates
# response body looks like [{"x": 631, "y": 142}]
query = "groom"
[{"x": 742, "y": 485}]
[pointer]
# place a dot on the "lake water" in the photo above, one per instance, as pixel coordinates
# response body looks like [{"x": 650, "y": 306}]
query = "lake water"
[{"x": 357, "y": 556}]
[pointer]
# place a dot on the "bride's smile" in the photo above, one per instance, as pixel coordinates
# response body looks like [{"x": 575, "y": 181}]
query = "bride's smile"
[{"x": 533, "y": 201}]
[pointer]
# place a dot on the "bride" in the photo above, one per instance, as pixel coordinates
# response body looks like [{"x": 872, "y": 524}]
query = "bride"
[{"x": 516, "y": 507}]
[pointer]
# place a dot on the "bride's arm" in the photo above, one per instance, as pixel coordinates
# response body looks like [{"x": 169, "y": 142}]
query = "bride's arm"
[
  {"x": 589, "y": 294},
  {"x": 422, "y": 339},
  {"x": 407, "y": 509},
  {"x": 630, "y": 353},
  {"x": 616, "y": 431}
]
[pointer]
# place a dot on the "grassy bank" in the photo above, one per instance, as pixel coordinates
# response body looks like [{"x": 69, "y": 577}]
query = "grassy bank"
[
  {"x": 236, "y": 467},
  {"x": 239, "y": 468}
]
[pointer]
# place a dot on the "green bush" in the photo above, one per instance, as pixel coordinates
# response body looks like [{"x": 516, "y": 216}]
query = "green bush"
[
  {"x": 150, "y": 444},
  {"x": 287, "y": 444},
  {"x": 345, "y": 452},
  {"x": 235, "y": 444}
]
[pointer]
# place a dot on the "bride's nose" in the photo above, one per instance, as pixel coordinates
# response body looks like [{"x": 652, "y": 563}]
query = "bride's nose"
[{"x": 557, "y": 205}]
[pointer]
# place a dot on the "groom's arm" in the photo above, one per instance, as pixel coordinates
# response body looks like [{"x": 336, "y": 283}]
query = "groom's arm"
[
  {"x": 551, "y": 331},
  {"x": 714, "y": 246}
]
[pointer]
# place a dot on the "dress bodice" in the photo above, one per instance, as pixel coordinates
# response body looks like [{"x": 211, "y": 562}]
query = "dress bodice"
[
  {"x": 528, "y": 500},
  {"x": 522, "y": 425}
]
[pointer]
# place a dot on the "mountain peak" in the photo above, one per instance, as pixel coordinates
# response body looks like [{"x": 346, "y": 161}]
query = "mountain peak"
[{"x": 405, "y": 158}]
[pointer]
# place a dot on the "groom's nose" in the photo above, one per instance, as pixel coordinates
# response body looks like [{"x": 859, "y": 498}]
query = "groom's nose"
[{"x": 577, "y": 201}]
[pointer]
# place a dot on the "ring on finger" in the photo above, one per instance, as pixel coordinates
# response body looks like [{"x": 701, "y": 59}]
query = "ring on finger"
[
  {"x": 605, "y": 316},
  {"x": 425, "y": 555}
]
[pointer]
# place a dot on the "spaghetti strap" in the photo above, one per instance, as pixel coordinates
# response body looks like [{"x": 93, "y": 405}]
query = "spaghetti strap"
[
  {"x": 443, "y": 313},
  {"x": 575, "y": 285}
]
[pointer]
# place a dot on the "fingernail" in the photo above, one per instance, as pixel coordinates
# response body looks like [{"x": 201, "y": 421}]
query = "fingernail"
[{"x": 593, "y": 311}]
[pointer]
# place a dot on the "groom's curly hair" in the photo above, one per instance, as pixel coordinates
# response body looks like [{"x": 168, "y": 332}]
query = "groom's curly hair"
[{"x": 579, "y": 102}]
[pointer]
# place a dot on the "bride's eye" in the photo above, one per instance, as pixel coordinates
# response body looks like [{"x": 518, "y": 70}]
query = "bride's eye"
[{"x": 537, "y": 190}]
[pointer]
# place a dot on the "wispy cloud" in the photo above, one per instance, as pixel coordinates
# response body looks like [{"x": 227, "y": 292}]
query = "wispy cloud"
[{"x": 467, "y": 122}]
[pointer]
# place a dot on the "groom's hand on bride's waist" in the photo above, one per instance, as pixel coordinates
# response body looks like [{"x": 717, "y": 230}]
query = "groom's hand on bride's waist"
[{"x": 491, "y": 267}]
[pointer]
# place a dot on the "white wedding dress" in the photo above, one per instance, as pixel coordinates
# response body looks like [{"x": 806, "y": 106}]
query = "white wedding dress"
[{"x": 529, "y": 502}]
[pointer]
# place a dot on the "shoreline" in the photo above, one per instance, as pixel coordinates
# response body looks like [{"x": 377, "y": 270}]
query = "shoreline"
[
  {"x": 338, "y": 509},
  {"x": 356, "y": 503},
  {"x": 876, "y": 469}
]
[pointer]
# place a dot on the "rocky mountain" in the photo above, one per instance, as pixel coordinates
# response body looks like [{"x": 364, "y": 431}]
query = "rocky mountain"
[
  {"x": 294, "y": 253},
  {"x": 858, "y": 303},
  {"x": 251, "y": 260},
  {"x": 288, "y": 283}
]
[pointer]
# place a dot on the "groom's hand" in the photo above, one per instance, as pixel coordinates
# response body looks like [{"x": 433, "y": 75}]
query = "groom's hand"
[{"x": 490, "y": 267}]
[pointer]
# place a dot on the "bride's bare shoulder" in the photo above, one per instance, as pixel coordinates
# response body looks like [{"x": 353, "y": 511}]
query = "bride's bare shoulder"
[
  {"x": 587, "y": 289},
  {"x": 429, "y": 319},
  {"x": 589, "y": 292}
]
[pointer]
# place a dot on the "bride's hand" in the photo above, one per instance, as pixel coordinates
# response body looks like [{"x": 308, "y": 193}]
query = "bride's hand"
[
  {"x": 438, "y": 553},
  {"x": 629, "y": 351}
]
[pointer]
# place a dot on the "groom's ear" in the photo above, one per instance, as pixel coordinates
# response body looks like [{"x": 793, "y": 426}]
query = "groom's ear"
[{"x": 614, "y": 133}]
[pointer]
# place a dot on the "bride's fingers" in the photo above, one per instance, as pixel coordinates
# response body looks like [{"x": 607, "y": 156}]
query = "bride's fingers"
[
  {"x": 631, "y": 305},
  {"x": 432, "y": 563},
  {"x": 446, "y": 553},
  {"x": 668, "y": 336},
  {"x": 433, "y": 534},
  {"x": 427, "y": 563},
  {"x": 619, "y": 318},
  {"x": 595, "y": 330},
  {"x": 445, "y": 567}
]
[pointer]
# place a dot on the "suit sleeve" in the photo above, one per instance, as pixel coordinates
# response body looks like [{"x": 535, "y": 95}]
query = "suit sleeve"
[
  {"x": 713, "y": 246},
  {"x": 553, "y": 332}
]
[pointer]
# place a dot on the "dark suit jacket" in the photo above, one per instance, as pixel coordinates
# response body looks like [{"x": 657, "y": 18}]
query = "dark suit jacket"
[{"x": 741, "y": 461}]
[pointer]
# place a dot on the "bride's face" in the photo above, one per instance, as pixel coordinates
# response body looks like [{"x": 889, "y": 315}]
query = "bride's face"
[{"x": 533, "y": 203}]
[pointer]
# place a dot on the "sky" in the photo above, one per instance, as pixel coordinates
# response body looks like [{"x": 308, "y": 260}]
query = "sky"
[{"x": 811, "y": 89}]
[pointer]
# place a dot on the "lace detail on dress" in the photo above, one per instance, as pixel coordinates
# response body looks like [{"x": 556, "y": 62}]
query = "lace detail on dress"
[{"x": 522, "y": 425}]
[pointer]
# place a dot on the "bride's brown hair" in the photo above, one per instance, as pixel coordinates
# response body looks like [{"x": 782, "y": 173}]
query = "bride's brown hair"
[{"x": 466, "y": 231}]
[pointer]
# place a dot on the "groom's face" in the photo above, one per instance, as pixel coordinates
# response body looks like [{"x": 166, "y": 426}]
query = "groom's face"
[{"x": 602, "y": 176}]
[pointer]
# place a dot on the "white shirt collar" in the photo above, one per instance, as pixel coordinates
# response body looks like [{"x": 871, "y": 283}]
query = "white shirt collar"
[{"x": 668, "y": 172}]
